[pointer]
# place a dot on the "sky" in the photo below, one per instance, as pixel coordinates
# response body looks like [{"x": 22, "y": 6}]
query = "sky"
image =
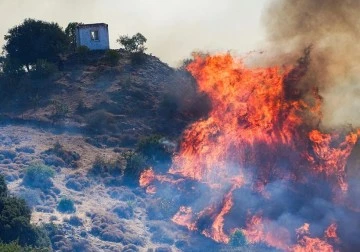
[{"x": 174, "y": 28}]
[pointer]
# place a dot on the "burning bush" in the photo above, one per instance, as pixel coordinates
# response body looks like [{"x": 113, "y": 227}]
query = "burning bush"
[{"x": 260, "y": 146}]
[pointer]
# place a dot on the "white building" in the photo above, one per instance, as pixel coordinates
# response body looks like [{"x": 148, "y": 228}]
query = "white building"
[{"x": 94, "y": 36}]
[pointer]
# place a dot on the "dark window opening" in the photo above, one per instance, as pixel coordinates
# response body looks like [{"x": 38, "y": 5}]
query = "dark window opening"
[{"x": 94, "y": 35}]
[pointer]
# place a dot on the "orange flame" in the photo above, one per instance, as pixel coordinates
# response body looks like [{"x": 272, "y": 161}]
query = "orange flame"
[{"x": 258, "y": 117}]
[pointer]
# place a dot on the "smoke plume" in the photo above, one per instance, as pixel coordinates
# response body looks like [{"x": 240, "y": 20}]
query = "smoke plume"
[{"x": 332, "y": 28}]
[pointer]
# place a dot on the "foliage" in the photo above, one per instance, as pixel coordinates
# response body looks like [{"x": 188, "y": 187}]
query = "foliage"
[
  {"x": 99, "y": 121},
  {"x": 39, "y": 175},
  {"x": 154, "y": 150},
  {"x": 103, "y": 166},
  {"x": 3, "y": 187},
  {"x": 66, "y": 205},
  {"x": 15, "y": 247},
  {"x": 60, "y": 109},
  {"x": 69, "y": 157},
  {"x": 83, "y": 52},
  {"x": 134, "y": 44},
  {"x": 238, "y": 239},
  {"x": 135, "y": 164},
  {"x": 43, "y": 69},
  {"x": 33, "y": 40},
  {"x": 70, "y": 32},
  {"x": 112, "y": 57},
  {"x": 15, "y": 224}
]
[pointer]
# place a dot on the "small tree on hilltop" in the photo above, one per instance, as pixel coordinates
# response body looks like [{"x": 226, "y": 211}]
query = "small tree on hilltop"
[
  {"x": 33, "y": 40},
  {"x": 134, "y": 44},
  {"x": 70, "y": 32}
]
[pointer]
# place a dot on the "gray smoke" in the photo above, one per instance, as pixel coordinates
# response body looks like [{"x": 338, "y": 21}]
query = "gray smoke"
[{"x": 332, "y": 27}]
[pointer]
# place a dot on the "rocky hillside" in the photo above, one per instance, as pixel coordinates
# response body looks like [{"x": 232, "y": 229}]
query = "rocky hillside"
[{"x": 69, "y": 147}]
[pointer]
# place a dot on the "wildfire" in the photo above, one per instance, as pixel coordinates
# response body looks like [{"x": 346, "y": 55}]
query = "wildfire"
[{"x": 260, "y": 129}]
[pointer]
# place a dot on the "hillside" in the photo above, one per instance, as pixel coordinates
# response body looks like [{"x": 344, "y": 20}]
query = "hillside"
[{"x": 91, "y": 111}]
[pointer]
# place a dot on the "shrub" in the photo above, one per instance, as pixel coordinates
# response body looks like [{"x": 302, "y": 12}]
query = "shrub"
[
  {"x": 112, "y": 57},
  {"x": 75, "y": 221},
  {"x": 60, "y": 109},
  {"x": 237, "y": 239},
  {"x": 83, "y": 52},
  {"x": 154, "y": 150},
  {"x": 135, "y": 164},
  {"x": 43, "y": 69},
  {"x": 99, "y": 121},
  {"x": 103, "y": 166},
  {"x": 66, "y": 205},
  {"x": 69, "y": 157},
  {"x": 39, "y": 175}
]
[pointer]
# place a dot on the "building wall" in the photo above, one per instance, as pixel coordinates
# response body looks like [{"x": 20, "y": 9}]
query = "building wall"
[{"x": 83, "y": 37}]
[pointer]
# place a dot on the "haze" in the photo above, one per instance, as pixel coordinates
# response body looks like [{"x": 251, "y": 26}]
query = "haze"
[{"x": 174, "y": 28}]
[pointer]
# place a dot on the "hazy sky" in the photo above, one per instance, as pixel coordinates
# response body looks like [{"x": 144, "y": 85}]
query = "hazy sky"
[{"x": 174, "y": 28}]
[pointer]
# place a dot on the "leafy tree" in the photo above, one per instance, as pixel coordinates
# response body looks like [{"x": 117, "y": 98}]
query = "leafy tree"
[
  {"x": 33, "y": 40},
  {"x": 15, "y": 223},
  {"x": 3, "y": 187},
  {"x": 134, "y": 44},
  {"x": 70, "y": 32}
]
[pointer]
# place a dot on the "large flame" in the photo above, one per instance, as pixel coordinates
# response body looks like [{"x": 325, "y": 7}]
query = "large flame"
[{"x": 262, "y": 127}]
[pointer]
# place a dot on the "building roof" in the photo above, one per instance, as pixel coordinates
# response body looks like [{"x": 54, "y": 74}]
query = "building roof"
[{"x": 92, "y": 25}]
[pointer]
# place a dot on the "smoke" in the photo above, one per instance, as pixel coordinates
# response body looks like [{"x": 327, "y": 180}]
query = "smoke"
[{"x": 332, "y": 28}]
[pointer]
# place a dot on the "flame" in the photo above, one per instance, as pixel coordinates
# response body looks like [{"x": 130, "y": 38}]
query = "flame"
[
  {"x": 259, "y": 117},
  {"x": 309, "y": 244},
  {"x": 259, "y": 230}
]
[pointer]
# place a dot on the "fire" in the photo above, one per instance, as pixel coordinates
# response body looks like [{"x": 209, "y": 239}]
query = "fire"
[
  {"x": 309, "y": 244},
  {"x": 263, "y": 127},
  {"x": 259, "y": 230}
]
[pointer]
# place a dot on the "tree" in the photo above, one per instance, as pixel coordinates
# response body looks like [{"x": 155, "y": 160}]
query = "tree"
[
  {"x": 3, "y": 187},
  {"x": 33, "y": 40},
  {"x": 15, "y": 221},
  {"x": 135, "y": 44},
  {"x": 70, "y": 32}
]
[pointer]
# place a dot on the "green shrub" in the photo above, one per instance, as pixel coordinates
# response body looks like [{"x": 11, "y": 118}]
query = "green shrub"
[
  {"x": 43, "y": 69},
  {"x": 104, "y": 166},
  {"x": 237, "y": 239},
  {"x": 135, "y": 164},
  {"x": 112, "y": 57},
  {"x": 66, "y": 205},
  {"x": 39, "y": 175},
  {"x": 154, "y": 150},
  {"x": 15, "y": 224}
]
